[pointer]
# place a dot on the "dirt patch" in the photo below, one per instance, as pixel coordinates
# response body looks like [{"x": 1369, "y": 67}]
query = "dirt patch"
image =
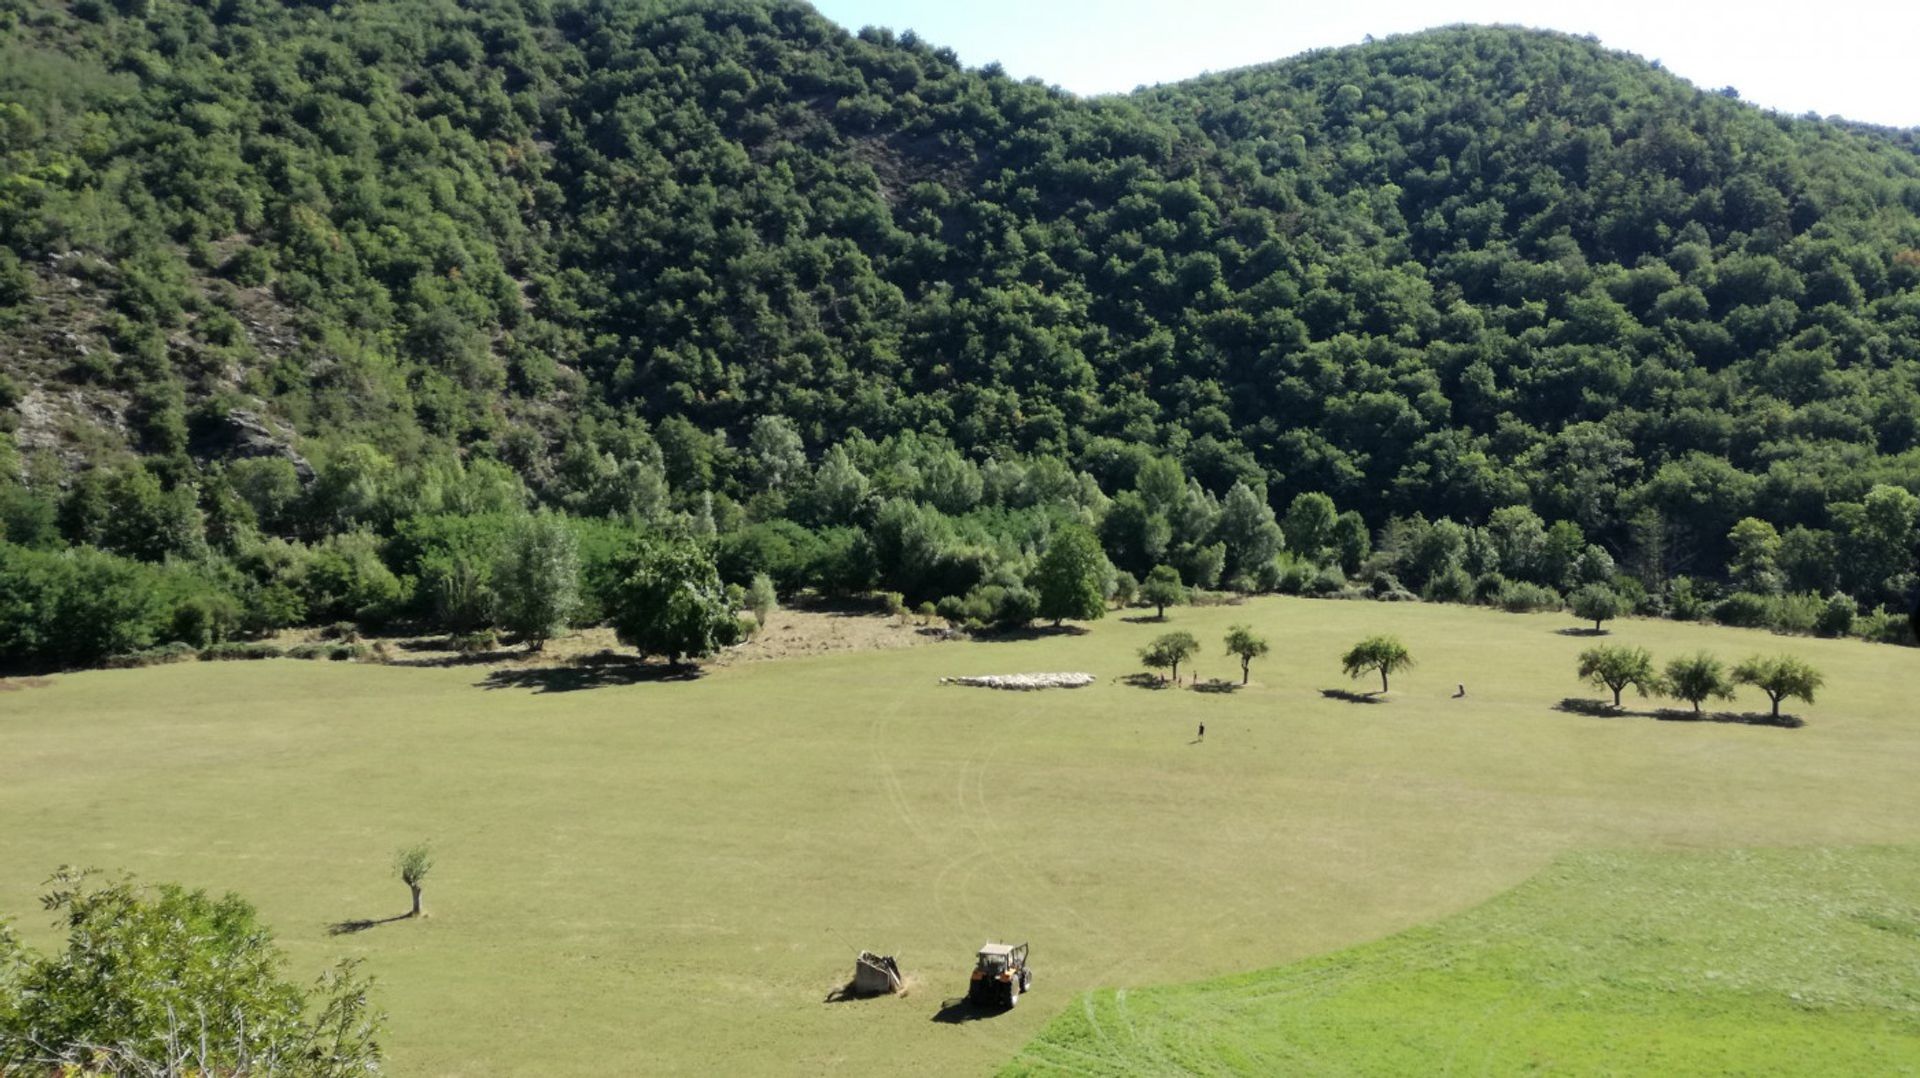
[
  {"x": 18, "y": 683},
  {"x": 794, "y": 632},
  {"x": 791, "y": 633}
]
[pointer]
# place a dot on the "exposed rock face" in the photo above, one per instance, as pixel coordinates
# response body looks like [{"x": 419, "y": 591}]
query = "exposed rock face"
[
  {"x": 1022, "y": 682},
  {"x": 243, "y": 435}
]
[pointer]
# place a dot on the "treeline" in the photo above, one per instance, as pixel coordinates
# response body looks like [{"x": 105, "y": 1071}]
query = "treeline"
[
  {"x": 593, "y": 243},
  {"x": 123, "y": 561}
]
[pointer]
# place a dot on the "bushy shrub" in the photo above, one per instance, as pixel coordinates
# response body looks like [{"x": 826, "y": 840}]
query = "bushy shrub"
[
  {"x": 1327, "y": 581},
  {"x": 998, "y": 606},
  {"x": 1884, "y": 626},
  {"x": 1685, "y": 602},
  {"x": 1386, "y": 588},
  {"x": 1521, "y": 597},
  {"x": 239, "y": 650},
  {"x": 1488, "y": 588},
  {"x": 1797, "y": 613},
  {"x": 475, "y": 643},
  {"x": 1451, "y": 585},
  {"x": 1836, "y": 617},
  {"x": 1744, "y": 609},
  {"x": 175, "y": 652}
]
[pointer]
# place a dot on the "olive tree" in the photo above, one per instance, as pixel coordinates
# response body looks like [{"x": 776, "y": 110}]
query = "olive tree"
[
  {"x": 1385, "y": 654},
  {"x": 1244, "y": 645},
  {"x": 1781, "y": 677},
  {"x": 1616, "y": 666}
]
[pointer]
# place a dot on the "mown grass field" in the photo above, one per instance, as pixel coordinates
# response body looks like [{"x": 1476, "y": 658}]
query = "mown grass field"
[
  {"x": 1803, "y": 961},
  {"x": 667, "y": 877}
]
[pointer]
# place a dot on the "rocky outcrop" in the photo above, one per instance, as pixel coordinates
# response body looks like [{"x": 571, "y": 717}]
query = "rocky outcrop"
[{"x": 242, "y": 435}]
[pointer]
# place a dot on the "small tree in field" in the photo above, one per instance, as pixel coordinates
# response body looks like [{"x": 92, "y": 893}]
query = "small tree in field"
[
  {"x": 1243, "y": 644},
  {"x": 1781, "y": 677},
  {"x": 1125, "y": 587},
  {"x": 1596, "y": 603},
  {"x": 1617, "y": 666},
  {"x": 413, "y": 863},
  {"x": 667, "y": 600},
  {"x": 1698, "y": 677},
  {"x": 761, "y": 599},
  {"x": 1163, "y": 589},
  {"x": 1385, "y": 654},
  {"x": 1169, "y": 651},
  {"x": 537, "y": 581}
]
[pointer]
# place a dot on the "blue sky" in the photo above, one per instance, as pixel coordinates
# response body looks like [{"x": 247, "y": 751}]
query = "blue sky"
[{"x": 1837, "y": 57}]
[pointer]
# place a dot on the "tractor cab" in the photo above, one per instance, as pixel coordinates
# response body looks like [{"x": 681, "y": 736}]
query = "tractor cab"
[{"x": 1000, "y": 974}]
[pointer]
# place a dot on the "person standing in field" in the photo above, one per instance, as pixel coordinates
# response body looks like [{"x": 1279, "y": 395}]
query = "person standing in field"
[{"x": 1203, "y": 732}]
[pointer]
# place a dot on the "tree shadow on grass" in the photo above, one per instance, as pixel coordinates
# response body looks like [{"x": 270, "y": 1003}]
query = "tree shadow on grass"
[
  {"x": 1146, "y": 681},
  {"x": 956, "y": 1011},
  {"x": 471, "y": 658},
  {"x": 1217, "y": 686},
  {"x": 1028, "y": 632},
  {"x": 1600, "y": 709},
  {"x": 1351, "y": 697},
  {"x": 1145, "y": 619},
  {"x": 1581, "y": 630},
  {"x": 605, "y": 670},
  {"x": 348, "y": 928}
]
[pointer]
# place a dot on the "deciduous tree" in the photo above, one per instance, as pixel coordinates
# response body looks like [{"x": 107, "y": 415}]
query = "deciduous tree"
[
  {"x": 1781, "y": 677},
  {"x": 1616, "y": 666},
  {"x": 1385, "y": 654},
  {"x": 1169, "y": 651},
  {"x": 1698, "y": 677},
  {"x": 1246, "y": 646}
]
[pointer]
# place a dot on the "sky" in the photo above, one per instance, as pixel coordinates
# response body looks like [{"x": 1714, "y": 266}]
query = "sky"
[{"x": 1837, "y": 57}]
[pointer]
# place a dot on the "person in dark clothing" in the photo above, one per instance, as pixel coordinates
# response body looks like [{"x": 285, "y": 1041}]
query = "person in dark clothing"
[{"x": 1203, "y": 731}]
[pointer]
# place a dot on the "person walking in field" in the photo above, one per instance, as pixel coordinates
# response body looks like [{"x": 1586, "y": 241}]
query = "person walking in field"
[{"x": 1203, "y": 732}]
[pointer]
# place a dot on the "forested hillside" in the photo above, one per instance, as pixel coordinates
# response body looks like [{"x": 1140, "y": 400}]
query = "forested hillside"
[{"x": 303, "y": 306}]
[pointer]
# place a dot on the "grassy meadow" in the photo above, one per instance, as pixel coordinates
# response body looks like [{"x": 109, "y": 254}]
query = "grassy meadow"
[
  {"x": 672, "y": 876},
  {"x": 1793, "y": 961}
]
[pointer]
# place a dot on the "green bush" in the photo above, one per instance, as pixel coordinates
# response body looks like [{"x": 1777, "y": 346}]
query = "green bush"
[
  {"x": 1837, "y": 616},
  {"x": 242, "y": 650},
  {"x": 1744, "y": 609},
  {"x": 1520, "y": 597},
  {"x": 1451, "y": 585}
]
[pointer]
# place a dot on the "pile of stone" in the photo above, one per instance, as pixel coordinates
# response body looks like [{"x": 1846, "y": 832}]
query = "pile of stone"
[{"x": 1022, "y": 682}]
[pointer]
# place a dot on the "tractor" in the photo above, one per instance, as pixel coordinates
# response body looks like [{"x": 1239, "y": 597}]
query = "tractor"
[{"x": 999, "y": 976}]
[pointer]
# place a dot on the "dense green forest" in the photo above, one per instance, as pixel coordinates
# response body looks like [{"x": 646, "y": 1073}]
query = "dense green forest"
[{"x": 306, "y": 306}]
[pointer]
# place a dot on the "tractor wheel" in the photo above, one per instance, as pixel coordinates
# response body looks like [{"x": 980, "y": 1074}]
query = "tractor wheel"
[
  {"x": 1013, "y": 993},
  {"x": 1026, "y": 980}
]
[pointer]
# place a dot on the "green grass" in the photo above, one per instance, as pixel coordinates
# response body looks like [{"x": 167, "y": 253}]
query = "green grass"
[
  {"x": 667, "y": 877},
  {"x": 1746, "y": 962}
]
